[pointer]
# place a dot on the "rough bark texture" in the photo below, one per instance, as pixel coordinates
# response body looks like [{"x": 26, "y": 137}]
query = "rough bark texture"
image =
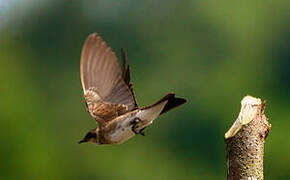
[{"x": 245, "y": 141}]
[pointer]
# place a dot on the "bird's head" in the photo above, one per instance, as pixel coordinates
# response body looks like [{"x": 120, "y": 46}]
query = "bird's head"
[{"x": 91, "y": 136}]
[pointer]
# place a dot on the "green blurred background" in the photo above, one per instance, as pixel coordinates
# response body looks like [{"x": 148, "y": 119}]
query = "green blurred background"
[{"x": 211, "y": 52}]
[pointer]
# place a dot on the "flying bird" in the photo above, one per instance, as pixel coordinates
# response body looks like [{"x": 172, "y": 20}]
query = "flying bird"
[{"x": 110, "y": 98}]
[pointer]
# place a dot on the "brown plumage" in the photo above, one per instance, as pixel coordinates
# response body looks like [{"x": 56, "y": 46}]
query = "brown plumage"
[
  {"x": 110, "y": 97},
  {"x": 107, "y": 95}
]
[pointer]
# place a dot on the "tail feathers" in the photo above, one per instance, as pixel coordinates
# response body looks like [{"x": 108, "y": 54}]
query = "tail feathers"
[{"x": 172, "y": 102}]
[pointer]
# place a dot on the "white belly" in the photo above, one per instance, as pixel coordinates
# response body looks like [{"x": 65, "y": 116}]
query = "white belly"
[{"x": 123, "y": 130}]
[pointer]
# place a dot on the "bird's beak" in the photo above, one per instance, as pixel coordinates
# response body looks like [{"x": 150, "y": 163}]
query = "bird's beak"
[{"x": 82, "y": 141}]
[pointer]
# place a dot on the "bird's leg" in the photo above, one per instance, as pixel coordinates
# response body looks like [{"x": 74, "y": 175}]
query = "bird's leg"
[
  {"x": 142, "y": 131},
  {"x": 135, "y": 126}
]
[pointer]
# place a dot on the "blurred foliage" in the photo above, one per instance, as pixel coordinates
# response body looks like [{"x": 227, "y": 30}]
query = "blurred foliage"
[{"x": 211, "y": 52}]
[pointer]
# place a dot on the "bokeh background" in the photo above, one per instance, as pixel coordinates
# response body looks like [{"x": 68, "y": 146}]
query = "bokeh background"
[{"x": 211, "y": 52}]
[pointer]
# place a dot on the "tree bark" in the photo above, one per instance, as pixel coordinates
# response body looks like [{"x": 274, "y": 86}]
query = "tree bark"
[{"x": 245, "y": 141}]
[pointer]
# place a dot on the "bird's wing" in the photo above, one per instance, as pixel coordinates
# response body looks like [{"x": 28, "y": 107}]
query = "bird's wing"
[
  {"x": 107, "y": 94},
  {"x": 126, "y": 74}
]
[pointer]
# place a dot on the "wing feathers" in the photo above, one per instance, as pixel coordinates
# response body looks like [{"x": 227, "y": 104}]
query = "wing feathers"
[
  {"x": 100, "y": 71},
  {"x": 126, "y": 74}
]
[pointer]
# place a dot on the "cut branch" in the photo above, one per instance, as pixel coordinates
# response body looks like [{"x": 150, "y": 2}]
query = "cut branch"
[{"x": 245, "y": 141}]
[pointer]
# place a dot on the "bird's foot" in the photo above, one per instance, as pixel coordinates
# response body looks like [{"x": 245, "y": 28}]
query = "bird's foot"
[
  {"x": 142, "y": 131},
  {"x": 135, "y": 127}
]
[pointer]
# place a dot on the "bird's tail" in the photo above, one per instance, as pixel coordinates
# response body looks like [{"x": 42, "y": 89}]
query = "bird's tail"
[
  {"x": 149, "y": 113},
  {"x": 172, "y": 102}
]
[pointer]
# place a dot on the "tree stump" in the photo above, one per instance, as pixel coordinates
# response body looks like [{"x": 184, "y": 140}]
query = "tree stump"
[{"x": 245, "y": 141}]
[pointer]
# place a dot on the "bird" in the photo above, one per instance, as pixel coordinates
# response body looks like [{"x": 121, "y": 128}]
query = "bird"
[{"x": 109, "y": 96}]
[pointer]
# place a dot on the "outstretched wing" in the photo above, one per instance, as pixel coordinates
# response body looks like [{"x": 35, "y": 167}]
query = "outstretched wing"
[
  {"x": 107, "y": 95},
  {"x": 126, "y": 74}
]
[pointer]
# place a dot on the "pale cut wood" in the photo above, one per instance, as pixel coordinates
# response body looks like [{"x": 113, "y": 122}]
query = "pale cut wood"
[{"x": 245, "y": 141}]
